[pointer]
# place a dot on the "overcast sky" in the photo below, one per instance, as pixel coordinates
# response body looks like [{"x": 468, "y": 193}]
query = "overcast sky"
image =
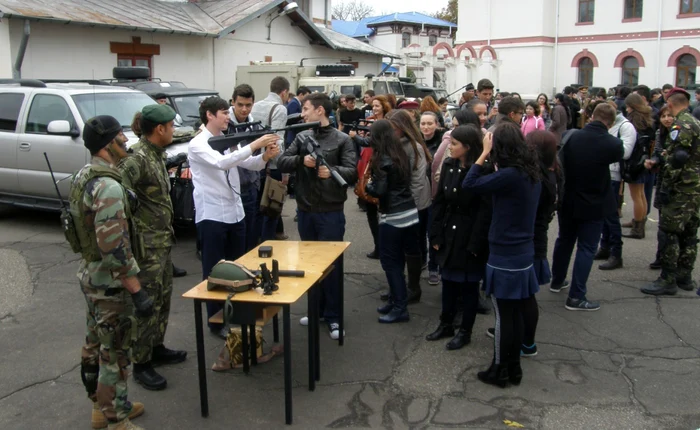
[{"x": 391, "y": 6}]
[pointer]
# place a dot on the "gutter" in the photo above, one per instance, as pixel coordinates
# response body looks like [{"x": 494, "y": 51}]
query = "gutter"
[
  {"x": 556, "y": 49},
  {"x": 658, "y": 48},
  {"x": 17, "y": 67}
]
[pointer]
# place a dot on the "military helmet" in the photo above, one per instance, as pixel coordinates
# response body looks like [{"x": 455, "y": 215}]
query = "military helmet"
[{"x": 230, "y": 276}]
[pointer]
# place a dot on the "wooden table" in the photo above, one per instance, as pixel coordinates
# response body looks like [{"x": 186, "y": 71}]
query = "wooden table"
[{"x": 317, "y": 260}]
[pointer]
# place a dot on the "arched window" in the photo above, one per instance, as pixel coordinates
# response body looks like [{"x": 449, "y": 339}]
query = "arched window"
[
  {"x": 686, "y": 67},
  {"x": 432, "y": 40},
  {"x": 585, "y": 72},
  {"x": 405, "y": 39},
  {"x": 630, "y": 72}
]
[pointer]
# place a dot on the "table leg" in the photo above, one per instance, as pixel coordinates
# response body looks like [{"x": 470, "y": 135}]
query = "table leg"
[
  {"x": 244, "y": 339},
  {"x": 341, "y": 269},
  {"x": 276, "y": 329},
  {"x": 199, "y": 333},
  {"x": 312, "y": 336},
  {"x": 316, "y": 324},
  {"x": 286, "y": 323},
  {"x": 253, "y": 346}
]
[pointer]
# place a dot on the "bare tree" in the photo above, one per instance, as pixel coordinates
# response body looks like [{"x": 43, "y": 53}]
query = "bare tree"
[{"x": 352, "y": 10}]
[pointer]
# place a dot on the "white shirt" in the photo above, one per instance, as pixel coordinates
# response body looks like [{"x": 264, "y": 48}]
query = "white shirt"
[{"x": 214, "y": 198}]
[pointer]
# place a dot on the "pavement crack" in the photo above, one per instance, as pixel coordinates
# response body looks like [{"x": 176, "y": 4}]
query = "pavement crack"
[
  {"x": 660, "y": 316},
  {"x": 34, "y": 384},
  {"x": 630, "y": 386}
]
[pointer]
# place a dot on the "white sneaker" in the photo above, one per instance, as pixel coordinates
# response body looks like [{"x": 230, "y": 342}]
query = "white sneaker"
[
  {"x": 334, "y": 331},
  {"x": 304, "y": 321}
]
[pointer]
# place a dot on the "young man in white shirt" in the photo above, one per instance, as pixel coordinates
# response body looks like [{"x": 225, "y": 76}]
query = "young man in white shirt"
[{"x": 220, "y": 217}]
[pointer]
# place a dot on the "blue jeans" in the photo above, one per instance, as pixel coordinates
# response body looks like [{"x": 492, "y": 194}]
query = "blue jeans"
[
  {"x": 649, "y": 182},
  {"x": 327, "y": 226},
  {"x": 587, "y": 234},
  {"x": 612, "y": 229},
  {"x": 394, "y": 245},
  {"x": 249, "y": 198},
  {"x": 219, "y": 241},
  {"x": 425, "y": 218}
]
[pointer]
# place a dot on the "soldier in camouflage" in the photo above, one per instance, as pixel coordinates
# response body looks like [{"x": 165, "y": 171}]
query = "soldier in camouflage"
[
  {"x": 680, "y": 198},
  {"x": 145, "y": 173},
  {"x": 100, "y": 231}
]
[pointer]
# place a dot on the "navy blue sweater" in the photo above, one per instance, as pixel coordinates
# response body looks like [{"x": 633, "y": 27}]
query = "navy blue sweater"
[{"x": 515, "y": 199}]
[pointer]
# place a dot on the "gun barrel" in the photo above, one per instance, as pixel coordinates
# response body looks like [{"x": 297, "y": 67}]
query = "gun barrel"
[{"x": 222, "y": 143}]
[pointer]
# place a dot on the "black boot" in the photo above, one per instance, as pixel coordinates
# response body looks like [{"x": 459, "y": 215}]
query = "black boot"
[
  {"x": 495, "y": 375},
  {"x": 395, "y": 316},
  {"x": 613, "y": 263},
  {"x": 656, "y": 264},
  {"x": 414, "y": 268},
  {"x": 374, "y": 255},
  {"x": 664, "y": 285},
  {"x": 384, "y": 296},
  {"x": 462, "y": 338},
  {"x": 445, "y": 329},
  {"x": 686, "y": 283},
  {"x": 146, "y": 376},
  {"x": 515, "y": 373},
  {"x": 602, "y": 254},
  {"x": 386, "y": 308},
  {"x": 162, "y": 355},
  {"x": 178, "y": 273}
]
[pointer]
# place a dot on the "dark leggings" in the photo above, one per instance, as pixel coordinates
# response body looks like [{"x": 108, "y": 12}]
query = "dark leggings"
[
  {"x": 373, "y": 221},
  {"x": 470, "y": 300},
  {"x": 512, "y": 317}
]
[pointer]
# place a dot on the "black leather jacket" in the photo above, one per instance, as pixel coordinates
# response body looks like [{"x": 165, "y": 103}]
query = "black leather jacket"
[
  {"x": 314, "y": 194},
  {"x": 391, "y": 188}
]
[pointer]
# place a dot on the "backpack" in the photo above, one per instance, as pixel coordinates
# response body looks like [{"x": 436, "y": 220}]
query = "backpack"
[{"x": 631, "y": 168}]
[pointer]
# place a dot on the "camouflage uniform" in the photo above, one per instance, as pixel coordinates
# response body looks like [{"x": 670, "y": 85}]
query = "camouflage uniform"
[
  {"x": 100, "y": 209},
  {"x": 144, "y": 172},
  {"x": 680, "y": 201}
]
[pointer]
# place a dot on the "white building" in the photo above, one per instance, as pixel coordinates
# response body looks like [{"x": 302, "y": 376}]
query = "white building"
[
  {"x": 413, "y": 36},
  {"x": 199, "y": 43},
  {"x": 538, "y": 46}
]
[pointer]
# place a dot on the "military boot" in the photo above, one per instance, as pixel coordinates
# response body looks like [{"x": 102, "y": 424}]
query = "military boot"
[
  {"x": 124, "y": 424},
  {"x": 685, "y": 282},
  {"x": 99, "y": 421},
  {"x": 664, "y": 285},
  {"x": 638, "y": 230}
]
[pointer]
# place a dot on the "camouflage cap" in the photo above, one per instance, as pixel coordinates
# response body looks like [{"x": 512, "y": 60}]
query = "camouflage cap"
[
  {"x": 158, "y": 114},
  {"x": 678, "y": 90}
]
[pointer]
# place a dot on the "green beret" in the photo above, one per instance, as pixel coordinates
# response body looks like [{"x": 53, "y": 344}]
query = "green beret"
[{"x": 159, "y": 114}]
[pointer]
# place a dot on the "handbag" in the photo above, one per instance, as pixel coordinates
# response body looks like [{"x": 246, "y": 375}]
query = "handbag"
[
  {"x": 181, "y": 196},
  {"x": 363, "y": 175},
  {"x": 273, "y": 197}
]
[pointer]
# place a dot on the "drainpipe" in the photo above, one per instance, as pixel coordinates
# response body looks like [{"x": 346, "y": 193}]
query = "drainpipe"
[
  {"x": 17, "y": 68},
  {"x": 556, "y": 49},
  {"x": 488, "y": 41},
  {"x": 325, "y": 13},
  {"x": 658, "y": 48}
]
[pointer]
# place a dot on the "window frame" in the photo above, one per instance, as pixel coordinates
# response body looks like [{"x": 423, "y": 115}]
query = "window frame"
[
  {"x": 629, "y": 75},
  {"x": 432, "y": 39},
  {"x": 28, "y": 130},
  {"x": 689, "y": 71},
  {"x": 690, "y": 12},
  {"x": 637, "y": 10},
  {"x": 405, "y": 42},
  {"x": 588, "y": 72},
  {"x": 591, "y": 5}
]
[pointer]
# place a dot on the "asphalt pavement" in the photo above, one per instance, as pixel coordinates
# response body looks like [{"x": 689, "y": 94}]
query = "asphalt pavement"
[{"x": 634, "y": 364}]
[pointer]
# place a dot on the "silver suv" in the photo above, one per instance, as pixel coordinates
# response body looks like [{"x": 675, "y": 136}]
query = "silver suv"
[{"x": 38, "y": 117}]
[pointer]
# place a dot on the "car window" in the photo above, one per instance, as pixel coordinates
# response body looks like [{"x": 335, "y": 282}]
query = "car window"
[
  {"x": 188, "y": 106},
  {"x": 380, "y": 88},
  {"x": 10, "y": 104},
  {"x": 121, "y": 105},
  {"x": 395, "y": 87},
  {"x": 46, "y": 108},
  {"x": 316, "y": 89}
]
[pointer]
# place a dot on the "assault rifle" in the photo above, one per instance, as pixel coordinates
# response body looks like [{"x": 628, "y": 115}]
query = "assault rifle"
[
  {"x": 222, "y": 143},
  {"x": 357, "y": 127},
  {"x": 314, "y": 150}
]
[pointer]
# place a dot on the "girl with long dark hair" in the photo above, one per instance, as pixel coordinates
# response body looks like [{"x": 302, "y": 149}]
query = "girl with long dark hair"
[
  {"x": 459, "y": 234},
  {"x": 510, "y": 278},
  {"x": 398, "y": 222}
]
